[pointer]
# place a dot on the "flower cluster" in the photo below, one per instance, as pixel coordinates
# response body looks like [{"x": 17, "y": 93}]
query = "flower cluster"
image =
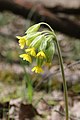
[{"x": 38, "y": 45}]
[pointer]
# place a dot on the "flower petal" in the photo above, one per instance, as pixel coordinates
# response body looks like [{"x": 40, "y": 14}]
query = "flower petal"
[
  {"x": 31, "y": 51},
  {"x": 22, "y": 41},
  {"x": 37, "y": 69},
  {"x": 26, "y": 57},
  {"x": 41, "y": 55}
]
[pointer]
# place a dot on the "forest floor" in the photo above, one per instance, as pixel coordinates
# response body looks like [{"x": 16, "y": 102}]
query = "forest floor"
[{"x": 48, "y": 100}]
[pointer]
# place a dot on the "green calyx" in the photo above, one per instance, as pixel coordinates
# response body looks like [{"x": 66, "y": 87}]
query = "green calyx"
[
  {"x": 50, "y": 50},
  {"x": 37, "y": 41},
  {"x": 33, "y": 28},
  {"x": 32, "y": 36}
]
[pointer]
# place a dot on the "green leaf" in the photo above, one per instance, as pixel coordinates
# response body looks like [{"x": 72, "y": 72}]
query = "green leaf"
[
  {"x": 76, "y": 88},
  {"x": 52, "y": 102}
]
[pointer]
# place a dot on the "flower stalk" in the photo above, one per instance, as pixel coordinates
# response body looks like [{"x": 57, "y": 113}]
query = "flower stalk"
[
  {"x": 64, "y": 81},
  {"x": 63, "y": 75}
]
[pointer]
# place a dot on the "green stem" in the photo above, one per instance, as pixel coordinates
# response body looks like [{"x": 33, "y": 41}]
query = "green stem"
[
  {"x": 43, "y": 23},
  {"x": 29, "y": 86},
  {"x": 64, "y": 81},
  {"x": 62, "y": 70}
]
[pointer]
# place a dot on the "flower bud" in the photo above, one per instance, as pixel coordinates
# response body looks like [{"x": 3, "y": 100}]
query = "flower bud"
[{"x": 33, "y": 28}]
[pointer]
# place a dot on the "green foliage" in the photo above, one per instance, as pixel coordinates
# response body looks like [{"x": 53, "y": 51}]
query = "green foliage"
[{"x": 76, "y": 88}]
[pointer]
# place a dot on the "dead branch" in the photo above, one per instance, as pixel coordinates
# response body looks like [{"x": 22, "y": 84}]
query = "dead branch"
[{"x": 65, "y": 10}]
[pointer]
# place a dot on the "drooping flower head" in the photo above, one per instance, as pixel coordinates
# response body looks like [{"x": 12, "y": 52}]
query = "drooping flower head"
[{"x": 37, "y": 45}]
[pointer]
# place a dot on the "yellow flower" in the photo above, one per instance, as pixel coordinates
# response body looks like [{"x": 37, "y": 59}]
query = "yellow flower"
[
  {"x": 22, "y": 41},
  {"x": 37, "y": 69},
  {"x": 27, "y": 42},
  {"x": 41, "y": 55},
  {"x": 26, "y": 57},
  {"x": 31, "y": 51}
]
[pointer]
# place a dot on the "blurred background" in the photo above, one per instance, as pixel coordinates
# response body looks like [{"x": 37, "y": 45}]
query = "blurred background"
[{"x": 15, "y": 18}]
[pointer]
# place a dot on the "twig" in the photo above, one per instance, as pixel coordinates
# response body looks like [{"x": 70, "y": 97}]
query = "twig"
[{"x": 71, "y": 117}]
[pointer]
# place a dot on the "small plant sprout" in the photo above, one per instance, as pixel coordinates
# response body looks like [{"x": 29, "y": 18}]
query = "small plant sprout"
[{"x": 40, "y": 46}]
